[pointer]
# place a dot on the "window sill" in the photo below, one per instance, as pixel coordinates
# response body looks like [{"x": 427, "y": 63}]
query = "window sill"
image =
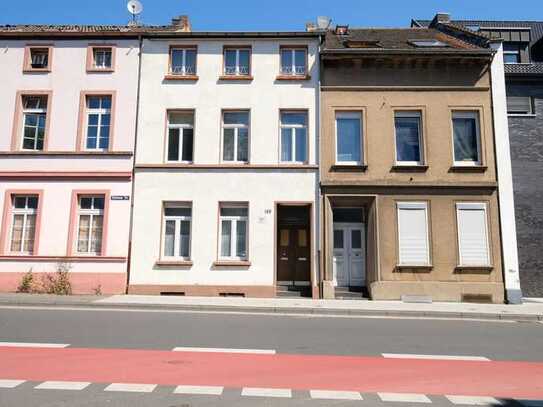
[
  {"x": 468, "y": 168},
  {"x": 173, "y": 263},
  {"x": 527, "y": 115},
  {"x": 293, "y": 77},
  {"x": 409, "y": 168},
  {"x": 98, "y": 70},
  {"x": 473, "y": 269},
  {"x": 232, "y": 263},
  {"x": 172, "y": 77},
  {"x": 236, "y": 78},
  {"x": 36, "y": 70},
  {"x": 414, "y": 268},
  {"x": 348, "y": 168}
]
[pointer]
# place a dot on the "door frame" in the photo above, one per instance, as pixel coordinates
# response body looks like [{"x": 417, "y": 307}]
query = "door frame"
[
  {"x": 349, "y": 226},
  {"x": 310, "y": 206}
]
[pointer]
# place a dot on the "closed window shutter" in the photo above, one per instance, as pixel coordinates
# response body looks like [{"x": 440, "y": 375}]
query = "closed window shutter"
[
  {"x": 413, "y": 233},
  {"x": 519, "y": 104},
  {"x": 473, "y": 234}
]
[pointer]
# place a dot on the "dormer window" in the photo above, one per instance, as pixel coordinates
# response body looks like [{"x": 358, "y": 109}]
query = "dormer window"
[
  {"x": 428, "y": 43},
  {"x": 101, "y": 58},
  {"x": 511, "y": 53},
  {"x": 37, "y": 59}
]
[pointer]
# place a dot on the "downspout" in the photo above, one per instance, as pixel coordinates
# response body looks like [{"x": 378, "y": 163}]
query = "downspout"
[
  {"x": 136, "y": 127},
  {"x": 319, "y": 207},
  {"x": 504, "y": 175}
]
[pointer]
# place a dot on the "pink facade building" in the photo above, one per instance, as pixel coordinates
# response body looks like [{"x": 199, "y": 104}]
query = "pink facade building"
[{"x": 67, "y": 126}]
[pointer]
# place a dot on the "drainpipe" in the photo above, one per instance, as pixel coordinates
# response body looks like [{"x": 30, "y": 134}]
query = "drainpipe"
[
  {"x": 504, "y": 174},
  {"x": 136, "y": 127}
]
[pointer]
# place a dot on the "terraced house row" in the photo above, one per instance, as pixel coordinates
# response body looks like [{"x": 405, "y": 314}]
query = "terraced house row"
[{"x": 333, "y": 162}]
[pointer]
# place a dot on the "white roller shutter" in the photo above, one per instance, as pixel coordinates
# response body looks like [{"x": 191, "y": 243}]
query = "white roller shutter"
[
  {"x": 413, "y": 233},
  {"x": 472, "y": 234}
]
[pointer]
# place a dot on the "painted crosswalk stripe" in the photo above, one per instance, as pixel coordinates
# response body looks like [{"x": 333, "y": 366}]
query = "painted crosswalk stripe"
[
  {"x": 209, "y": 390},
  {"x": 436, "y": 357},
  {"x": 404, "y": 397},
  {"x": 33, "y": 345},
  {"x": 61, "y": 385},
  {"x": 335, "y": 395},
  {"x": 263, "y": 392},
  {"x": 224, "y": 350},
  {"x": 10, "y": 384},
  {"x": 131, "y": 387},
  {"x": 474, "y": 401}
]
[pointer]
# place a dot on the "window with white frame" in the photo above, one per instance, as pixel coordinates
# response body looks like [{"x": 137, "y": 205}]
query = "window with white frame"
[
  {"x": 34, "y": 122},
  {"x": 511, "y": 52},
  {"x": 23, "y": 224},
  {"x": 473, "y": 241},
  {"x": 520, "y": 105},
  {"x": 466, "y": 138},
  {"x": 237, "y": 61},
  {"x": 102, "y": 58},
  {"x": 349, "y": 138},
  {"x": 294, "y": 137},
  {"x": 177, "y": 230},
  {"x": 294, "y": 61},
  {"x": 413, "y": 239},
  {"x": 408, "y": 131},
  {"x": 90, "y": 223},
  {"x": 98, "y": 113},
  {"x": 235, "y": 129},
  {"x": 233, "y": 232},
  {"x": 183, "y": 61},
  {"x": 180, "y": 136}
]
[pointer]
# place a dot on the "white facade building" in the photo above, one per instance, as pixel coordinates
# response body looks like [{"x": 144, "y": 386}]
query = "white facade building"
[{"x": 226, "y": 178}]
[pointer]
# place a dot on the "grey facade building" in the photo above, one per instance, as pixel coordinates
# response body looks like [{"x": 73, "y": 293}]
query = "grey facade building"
[{"x": 523, "y": 56}]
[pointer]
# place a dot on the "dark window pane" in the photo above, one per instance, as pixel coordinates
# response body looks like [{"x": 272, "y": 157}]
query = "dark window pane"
[
  {"x": 93, "y": 119},
  {"x": 104, "y": 137},
  {"x": 31, "y": 119},
  {"x": 19, "y": 202},
  {"x": 338, "y": 239},
  {"x": 465, "y": 139},
  {"x": 407, "y": 139},
  {"x": 348, "y": 215},
  {"x": 236, "y": 118},
  {"x": 190, "y": 62},
  {"x": 184, "y": 239},
  {"x": 226, "y": 211},
  {"x": 244, "y": 56},
  {"x": 173, "y": 145},
  {"x": 301, "y": 145},
  {"x": 299, "y": 61},
  {"x": 243, "y": 144},
  {"x": 230, "y": 62},
  {"x": 348, "y": 140},
  {"x": 226, "y": 237},
  {"x": 286, "y": 144},
  {"x": 241, "y": 238},
  {"x": 93, "y": 102},
  {"x": 228, "y": 145},
  {"x": 98, "y": 203},
  {"x": 169, "y": 238},
  {"x": 106, "y": 102},
  {"x": 286, "y": 61},
  {"x": 177, "y": 211},
  {"x": 33, "y": 202},
  {"x": 294, "y": 118},
  {"x": 85, "y": 203},
  {"x": 106, "y": 119},
  {"x": 187, "y": 144},
  {"x": 177, "y": 61}
]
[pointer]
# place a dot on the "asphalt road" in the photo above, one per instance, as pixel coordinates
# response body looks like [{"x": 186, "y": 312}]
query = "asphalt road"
[{"x": 164, "y": 330}]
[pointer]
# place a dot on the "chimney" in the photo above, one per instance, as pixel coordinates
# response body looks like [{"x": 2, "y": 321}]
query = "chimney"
[
  {"x": 441, "y": 18},
  {"x": 181, "y": 23},
  {"x": 342, "y": 30},
  {"x": 310, "y": 26}
]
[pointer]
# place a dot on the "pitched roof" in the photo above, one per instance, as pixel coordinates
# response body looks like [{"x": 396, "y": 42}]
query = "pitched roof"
[{"x": 396, "y": 39}]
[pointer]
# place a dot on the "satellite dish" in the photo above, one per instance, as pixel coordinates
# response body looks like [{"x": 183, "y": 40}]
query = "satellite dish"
[{"x": 134, "y": 7}]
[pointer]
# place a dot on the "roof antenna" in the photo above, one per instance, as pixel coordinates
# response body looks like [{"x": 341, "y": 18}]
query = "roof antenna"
[{"x": 135, "y": 8}]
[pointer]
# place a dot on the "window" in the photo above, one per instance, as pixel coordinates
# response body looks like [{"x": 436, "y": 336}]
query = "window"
[
  {"x": 413, "y": 234},
  {"x": 23, "y": 224},
  {"x": 428, "y": 43},
  {"x": 183, "y": 61},
  {"x": 180, "y": 136},
  {"x": 511, "y": 53},
  {"x": 520, "y": 105},
  {"x": 102, "y": 58},
  {"x": 294, "y": 137},
  {"x": 98, "y": 122},
  {"x": 233, "y": 232},
  {"x": 466, "y": 138},
  {"x": 237, "y": 61},
  {"x": 349, "y": 138},
  {"x": 293, "y": 61},
  {"x": 177, "y": 228},
  {"x": 37, "y": 59},
  {"x": 34, "y": 122},
  {"x": 90, "y": 224},
  {"x": 408, "y": 138},
  {"x": 472, "y": 234},
  {"x": 235, "y": 136}
]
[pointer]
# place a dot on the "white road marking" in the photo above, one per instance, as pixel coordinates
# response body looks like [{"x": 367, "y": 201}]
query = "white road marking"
[
  {"x": 436, "y": 357},
  {"x": 224, "y": 350},
  {"x": 335, "y": 395},
  {"x": 52, "y": 385},
  {"x": 474, "y": 401},
  {"x": 34, "y": 345},
  {"x": 404, "y": 397},
  {"x": 209, "y": 390},
  {"x": 10, "y": 384},
  {"x": 262, "y": 392},
  {"x": 131, "y": 387}
]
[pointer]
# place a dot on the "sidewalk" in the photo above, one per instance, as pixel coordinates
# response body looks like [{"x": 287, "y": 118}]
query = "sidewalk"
[{"x": 529, "y": 311}]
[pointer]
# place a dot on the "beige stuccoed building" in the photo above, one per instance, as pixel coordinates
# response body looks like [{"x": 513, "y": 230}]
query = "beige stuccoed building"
[{"x": 408, "y": 166}]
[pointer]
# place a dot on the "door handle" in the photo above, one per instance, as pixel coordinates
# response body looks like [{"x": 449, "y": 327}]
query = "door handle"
[
  {"x": 302, "y": 258},
  {"x": 284, "y": 258}
]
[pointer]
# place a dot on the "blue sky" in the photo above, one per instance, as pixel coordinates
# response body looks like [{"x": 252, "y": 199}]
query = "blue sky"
[{"x": 265, "y": 15}]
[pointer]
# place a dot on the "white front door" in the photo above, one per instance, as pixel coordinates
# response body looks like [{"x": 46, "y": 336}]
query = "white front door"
[{"x": 349, "y": 255}]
